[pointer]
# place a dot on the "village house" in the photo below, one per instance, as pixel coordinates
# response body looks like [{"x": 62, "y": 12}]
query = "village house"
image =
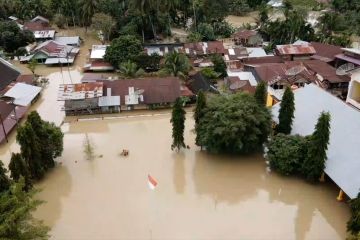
[
  {"x": 107, "y": 96},
  {"x": 52, "y": 53},
  {"x": 199, "y": 49},
  {"x": 293, "y": 52},
  {"x": 247, "y": 38},
  {"x": 70, "y": 41},
  {"x": 163, "y": 49},
  {"x": 353, "y": 96},
  {"x": 350, "y": 56},
  {"x": 8, "y": 73},
  {"x": 343, "y": 154},
  {"x": 96, "y": 60},
  {"x": 41, "y": 28},
  {"x": 326, "y": 52}
]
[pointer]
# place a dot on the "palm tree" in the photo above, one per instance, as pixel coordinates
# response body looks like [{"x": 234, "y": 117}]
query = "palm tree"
[
  {"x": 130, "y": 69},
  {"x": 88, "y": 8},
  {"x": 177, "y": 64}
]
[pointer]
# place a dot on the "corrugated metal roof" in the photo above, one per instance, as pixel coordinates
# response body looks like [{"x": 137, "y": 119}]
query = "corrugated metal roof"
[
  {"x": 343, "y": 165},
  {"x": 23, "y": 93},
  {"x": 295, "y": 49}
]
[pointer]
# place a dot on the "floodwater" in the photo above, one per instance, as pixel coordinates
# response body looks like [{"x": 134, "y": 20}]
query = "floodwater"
[
  {"x": 199, "y": 196},
  {"x": 240, "y": 21}
]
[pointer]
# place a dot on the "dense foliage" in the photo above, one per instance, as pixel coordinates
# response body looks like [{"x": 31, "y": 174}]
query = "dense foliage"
[
  {"x": 286, "y": 153},
  {"x": 12, "y": 37},
  {"x": 353, "y": 225},
  {"x": 4, "y": 179},
  {"x": 178, "y": 125},
  {"x": 234, "y": 124},
  {"x": 315, "y": 159},
  {"x": 123, "y": 49},
  {"x": 219, "y": 65},
  {"x": 177, "y": 64},
  {"x": 286, "y": 112},
  {"x": 261, "y": 93},
  {"x": 16, "y": 220},
  {"x": 199, "y": 111},
  {"x": 40, "y": 143}
]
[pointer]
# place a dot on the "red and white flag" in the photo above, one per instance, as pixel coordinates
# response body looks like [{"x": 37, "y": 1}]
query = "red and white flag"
[{"x": 152, "y": 182}]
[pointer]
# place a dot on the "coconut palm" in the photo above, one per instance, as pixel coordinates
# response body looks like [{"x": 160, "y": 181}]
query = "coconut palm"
[
  {"x": 88, "y": 8},
  {"x": 129, "y": 69},
  {"x": 177, "y": 64}
]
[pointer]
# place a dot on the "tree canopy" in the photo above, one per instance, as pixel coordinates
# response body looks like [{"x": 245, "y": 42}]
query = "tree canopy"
[
  {"x": 12, "y": 37},
  {"x": 234, "y": 124},
  {"x": 178, "y": 125},
  {"x": 286, "y": 113},
  {"x": 123, "y": 49}
]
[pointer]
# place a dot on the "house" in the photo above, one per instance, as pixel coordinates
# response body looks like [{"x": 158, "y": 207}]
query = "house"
[
  {"x": 52, "y": 53},
  {"x": 238, "y": 84},
  {"x": 349, "y": 55},
  {"x": 292, "y": 52},
  {"x": 10, "y": 115},
  {"x": 9, "y": 73},
  {"x": 326, "y": 52},
  {"x": 343, "y": 154},
  {"x": 96, "y": 60},
  {"x": 40, "y": 19},
  {"x": 23, "y": 94},
  {"x": 353, "y": 96},
  {"x": 70, "y": 41},
  {"x": 41, "y": 29},
  {"x": 203, "y": 48},
  {"x": 162, "y": 49},
  {"x": 106, "y": 96},
  {"x": 199, "y": 82},
  {"x": 247, "y": 38}
]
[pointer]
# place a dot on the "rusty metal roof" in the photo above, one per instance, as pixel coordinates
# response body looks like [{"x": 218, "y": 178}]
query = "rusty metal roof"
[{"x": 291, "y": 49}]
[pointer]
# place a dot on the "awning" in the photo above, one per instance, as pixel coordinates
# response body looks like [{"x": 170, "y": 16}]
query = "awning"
[{"x": 348, "y": 59}]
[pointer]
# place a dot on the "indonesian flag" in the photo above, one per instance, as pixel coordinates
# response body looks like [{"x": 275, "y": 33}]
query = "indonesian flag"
[{"x": 152, "y": 182}]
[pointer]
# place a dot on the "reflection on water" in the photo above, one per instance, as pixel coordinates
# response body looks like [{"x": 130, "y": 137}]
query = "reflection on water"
[{"x": 199, "y": 196}]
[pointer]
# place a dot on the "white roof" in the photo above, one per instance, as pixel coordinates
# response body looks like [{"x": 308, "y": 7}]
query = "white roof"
[
  {"x": 352, "y": 50},
  {"x": 68, "y": 40},
  {"x": 256, "y": 52},
  {"x": 98, "y": 51},
  {"x": 343, "y": 164},
  {"x": 108, "y": 101},
  {"x": 300, "y": 42},
  {"x": 23, "y": 93},
  {"x": 275, "y": 3},
  {"x": 50, "y": 61},
  {"x": 44, "y": 34},
  {"x": 243, "y": 76}
]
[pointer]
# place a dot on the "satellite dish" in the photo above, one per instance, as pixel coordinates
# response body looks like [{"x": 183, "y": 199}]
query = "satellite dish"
[
  {"x": 294, "y": 70},
  {"x": 345, "y": 69}
]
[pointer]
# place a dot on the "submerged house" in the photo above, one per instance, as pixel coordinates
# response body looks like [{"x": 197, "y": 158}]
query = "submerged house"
[
  {"x": 343, "y": 154},
  {"x": 96, "y": 60},
  {"x": 41, "y": 28},
  {"x": 52, "y": 53}
]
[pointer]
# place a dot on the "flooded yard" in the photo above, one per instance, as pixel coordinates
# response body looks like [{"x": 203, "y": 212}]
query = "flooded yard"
[{"x": 199, "y": 196}]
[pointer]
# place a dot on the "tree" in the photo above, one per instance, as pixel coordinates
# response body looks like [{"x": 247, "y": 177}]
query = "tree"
[
  {"x": 18, "y": 169},
  {"x": 12, "y": 37},
  {"x": 286, "y": 153},
  {"x": 4, "y": 179},
  {"x": 234, "y": 124},
  {"x": 315, "y": 160},
  {"x": 87, "y": 8},
  {"x": 206, "y": 31},
  {"x": 178, "y": 125},
  {"x": 286, "y": 113},
  {"x": 353, "y": 225},
  {"x": 104, "y": 23},
  {"x": 123, "y": 49},
  {"x": 16, "y": 219},
  {"x": 60, "y": 20},
  {"x": 239, "y": 7},
  {"x": 219, "y": 65},
  {"x": 199, "y": 111},
  {"x": 148, "y": 63},
  {"x": 177, "y": 64},
  {"x": 261, "y": 93},
  {"x": 32, "y": 67},
  {"x": 130, "y": 69}
]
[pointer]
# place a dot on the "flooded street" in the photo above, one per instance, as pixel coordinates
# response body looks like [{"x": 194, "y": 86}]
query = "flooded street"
[{"x": 199, "y": 196}]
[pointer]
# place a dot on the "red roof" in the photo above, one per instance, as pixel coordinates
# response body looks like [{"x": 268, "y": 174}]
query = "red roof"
[
  {"x": 295, "y": 49},
  {"x": 156, "y": 90},
  {"x": 186, "y": 92},
  {"x": 37, "y": 26},
  {"x": 203, "y": 48},
  {"x": 235, "y": 84},
  {"x": 325, "y": 52},
  {"x": 25, "y": 78}
]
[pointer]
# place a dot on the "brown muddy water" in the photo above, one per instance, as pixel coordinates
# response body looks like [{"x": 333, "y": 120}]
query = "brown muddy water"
[{"x": 199, "y": 196}]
